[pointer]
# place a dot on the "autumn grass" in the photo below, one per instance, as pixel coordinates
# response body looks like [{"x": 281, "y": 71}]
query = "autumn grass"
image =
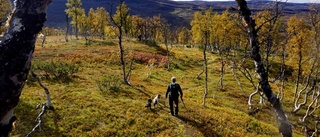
[{"x": 82, "y": 109}]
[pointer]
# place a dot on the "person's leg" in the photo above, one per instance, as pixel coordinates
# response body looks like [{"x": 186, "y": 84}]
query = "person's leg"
[
  {"x": 176, "y": 101},
  {"x": 171, "y": 105}
]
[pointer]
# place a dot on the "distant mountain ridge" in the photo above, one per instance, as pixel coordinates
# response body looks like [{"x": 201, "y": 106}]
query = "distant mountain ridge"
[{"x": 178, "y": 13}]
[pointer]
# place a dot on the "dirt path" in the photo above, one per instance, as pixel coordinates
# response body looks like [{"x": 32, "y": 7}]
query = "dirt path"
[{"x": 189, "y": 129}]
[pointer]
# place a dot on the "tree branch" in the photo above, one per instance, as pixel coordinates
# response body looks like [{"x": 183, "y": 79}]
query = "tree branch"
[
  {"x": 49, "y": 105},
  {"x": 308, "y": 113},
  {"x": 43, "y": 110},
  {"x": 298, "y": 106},
  {"x": 252, "y": 94}
]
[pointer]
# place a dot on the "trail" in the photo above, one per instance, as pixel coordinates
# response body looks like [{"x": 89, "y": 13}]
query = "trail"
[
  {"x": 194, "y": 124},
  {"x": 189, "y": 129}
]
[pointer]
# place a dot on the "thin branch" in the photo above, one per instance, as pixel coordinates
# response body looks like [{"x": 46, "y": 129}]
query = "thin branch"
[
  {"x": 309, "y": 107},
  {"x": 252, "y": 94},
  {"x": 43, "y": 111},
  {"x": 238, "y": 81},
  {"x": 198, "y": 76},
  {"x": 130, "y": 70},
  {"x": 273, "y": 18},
  {"x": 317, "y": 106},
  {"x": 298, "y": 107},
  {"x": 315, "y": 129},
  {"x": 49, "y": 104}
]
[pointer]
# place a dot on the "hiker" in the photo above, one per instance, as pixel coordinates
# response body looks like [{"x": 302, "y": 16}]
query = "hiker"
[{"x": 174, "y": 90}]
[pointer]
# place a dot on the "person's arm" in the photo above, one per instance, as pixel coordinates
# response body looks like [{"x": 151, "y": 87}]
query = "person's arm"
[
  {"x": 181, "y": 94},
  {"x": 168, "y": 90}
]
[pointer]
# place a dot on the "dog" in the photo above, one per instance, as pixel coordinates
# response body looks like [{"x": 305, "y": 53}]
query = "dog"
[
  {"x": 148, "y": 105},
  {"x": 156, "y": 100}
]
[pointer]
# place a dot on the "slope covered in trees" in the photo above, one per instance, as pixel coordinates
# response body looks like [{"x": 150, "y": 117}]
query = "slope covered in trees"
[
  {"x": 177, "y": 13},
  {"x": 86, "y": 75}
]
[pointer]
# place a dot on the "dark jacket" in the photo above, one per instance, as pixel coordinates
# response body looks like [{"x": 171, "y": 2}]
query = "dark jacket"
[{"x": 174, "y": 90}]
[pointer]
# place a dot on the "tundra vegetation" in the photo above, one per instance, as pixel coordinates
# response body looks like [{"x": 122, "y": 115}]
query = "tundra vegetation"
[{"x": 113, "y": 62}]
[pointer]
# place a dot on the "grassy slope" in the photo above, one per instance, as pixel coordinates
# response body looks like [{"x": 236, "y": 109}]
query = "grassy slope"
[{"x": 82, "y": 110}]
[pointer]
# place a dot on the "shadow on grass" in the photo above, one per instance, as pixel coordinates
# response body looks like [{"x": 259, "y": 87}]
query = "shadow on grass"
[
  {"x": 50, "y": 80},
  {"x": 26, "y": 121},
  {"x": 142, "y": 90},
  {"x": 96, "y": 42},
  {"x": 202, "y": 125},
  {"x": 155, "y": 45}
]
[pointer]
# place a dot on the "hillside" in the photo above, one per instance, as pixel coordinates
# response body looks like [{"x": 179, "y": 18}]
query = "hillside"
[
  {"x": 177, "y": 13},
  {"x": 84, "y": 109}
]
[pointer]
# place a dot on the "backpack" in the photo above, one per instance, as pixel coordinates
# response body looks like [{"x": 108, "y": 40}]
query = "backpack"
[{"x": 174, "y": 90}]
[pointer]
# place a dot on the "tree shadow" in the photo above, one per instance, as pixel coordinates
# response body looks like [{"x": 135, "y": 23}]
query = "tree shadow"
[
  {"x": 142, "y": 90},
  {"x": 202, "y": 125},
  {"x": 155, "y": 45},
  {"x": 27, "y": 114}
]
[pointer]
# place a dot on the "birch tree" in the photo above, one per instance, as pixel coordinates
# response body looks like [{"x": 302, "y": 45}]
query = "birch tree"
[
  {"x": 165, "y": 27},
  {"x": 307, "y": 99},
  {"x": 299, "y": 48},
  {"x": 183, "y": 36},
  {"x": 269, "y": 27},
  {"x": 200, "y": 34},
  {"x": 119, "y": 20},
  {"x": 74, "y": 11},
  {"x": 284, "y": 124}
]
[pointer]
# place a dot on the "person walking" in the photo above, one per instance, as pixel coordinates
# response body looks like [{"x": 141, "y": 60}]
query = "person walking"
[{"x": 174, "y": 90}]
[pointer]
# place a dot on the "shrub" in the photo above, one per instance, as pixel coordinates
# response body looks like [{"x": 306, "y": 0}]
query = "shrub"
[
  {"x": 55, "y": 69},
  {"x": 109, "y": 83},
  {"x": 157, "y": 60}
]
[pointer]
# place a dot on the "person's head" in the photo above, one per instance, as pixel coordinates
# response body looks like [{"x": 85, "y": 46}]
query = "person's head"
[{"x": 173, "y": 79}]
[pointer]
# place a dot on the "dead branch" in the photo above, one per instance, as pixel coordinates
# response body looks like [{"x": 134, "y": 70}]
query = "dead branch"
[
  {"x": 198, "y": 76},
  {"x": 45, "y": 89},
  {"x": 43, "y": 111}
]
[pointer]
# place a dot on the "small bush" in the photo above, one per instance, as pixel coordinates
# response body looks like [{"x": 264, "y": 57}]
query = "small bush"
[
  {"x": 55, "y": 69},
  {"x": 157, "y": 60},
  {"x": 109, "y": 83}
]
